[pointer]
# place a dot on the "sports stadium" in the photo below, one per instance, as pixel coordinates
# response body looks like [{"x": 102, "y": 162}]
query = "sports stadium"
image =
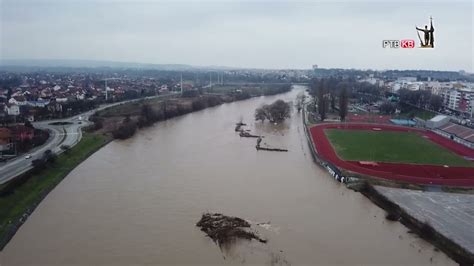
[{"x": 393, "y": 152}]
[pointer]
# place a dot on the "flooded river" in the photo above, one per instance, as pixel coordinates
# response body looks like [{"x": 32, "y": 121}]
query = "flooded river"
[{"x": 137, "y": 202}]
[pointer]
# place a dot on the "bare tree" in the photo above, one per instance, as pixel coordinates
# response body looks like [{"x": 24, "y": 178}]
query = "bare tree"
[
  {"x": 387, "y": 108},
  {"x": 279, "y": 111},
  {"x": 300, "y": 101},
  {"x": 322, "y": 100},
  {"x": 275, "y": 112},
  {"x": 260, "y": 114},
  {"x": 332, "y": 97},
  {"x": 343, "y": 103},
  {"x": 436, "y": 102}
]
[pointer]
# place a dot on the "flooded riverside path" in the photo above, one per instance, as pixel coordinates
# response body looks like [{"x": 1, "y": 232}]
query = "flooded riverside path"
[{"x": 138, "y": 201}]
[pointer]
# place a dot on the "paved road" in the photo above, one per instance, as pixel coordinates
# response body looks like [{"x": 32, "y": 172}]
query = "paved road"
[
  {"x": 69, "y": 135},
  {"x": 58, "y": 135}
]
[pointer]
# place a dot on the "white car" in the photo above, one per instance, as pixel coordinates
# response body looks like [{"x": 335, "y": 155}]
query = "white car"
[{"x": 28, "y": 156}]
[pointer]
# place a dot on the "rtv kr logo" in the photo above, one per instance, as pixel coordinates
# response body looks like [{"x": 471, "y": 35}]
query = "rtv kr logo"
[{"x": 428, "y": 34}]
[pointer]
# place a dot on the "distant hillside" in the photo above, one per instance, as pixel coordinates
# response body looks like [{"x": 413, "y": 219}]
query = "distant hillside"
[
  {"x": 35, "y": 64},
  {"x": 47, "y": 63}
]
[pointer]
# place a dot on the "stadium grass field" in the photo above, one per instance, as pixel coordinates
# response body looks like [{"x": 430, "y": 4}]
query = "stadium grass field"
[{"x": 391, "y": 147}]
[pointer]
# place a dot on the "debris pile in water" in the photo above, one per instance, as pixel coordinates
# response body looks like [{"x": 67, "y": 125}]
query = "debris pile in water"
[{"x": 223, "y": 229}]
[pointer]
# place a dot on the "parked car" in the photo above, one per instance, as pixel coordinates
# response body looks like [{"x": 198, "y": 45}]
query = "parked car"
[{"x": 28, "y": 156}]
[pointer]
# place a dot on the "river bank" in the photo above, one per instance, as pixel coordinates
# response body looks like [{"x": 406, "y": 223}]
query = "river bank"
[{"x": 21, "y": 196}]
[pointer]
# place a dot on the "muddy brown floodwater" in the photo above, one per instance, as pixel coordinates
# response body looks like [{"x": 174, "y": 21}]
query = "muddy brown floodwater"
[{"x": 137, "y": 201}]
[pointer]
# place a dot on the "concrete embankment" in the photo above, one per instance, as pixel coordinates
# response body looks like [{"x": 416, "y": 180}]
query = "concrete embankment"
[
  {"x": 443, "y": 219},
  {"x": 332, "y": 169}
]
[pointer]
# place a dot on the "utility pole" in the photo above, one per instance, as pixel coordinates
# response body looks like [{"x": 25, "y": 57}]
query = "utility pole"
[
  {"x": 106, "y": 91},
  {"x": 472, "y": 108},
  {"x": 181, "y": 83}
]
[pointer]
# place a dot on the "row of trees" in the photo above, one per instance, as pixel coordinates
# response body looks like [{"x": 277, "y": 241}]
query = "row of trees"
[
  {"x": 329, "y": 91},
  {"x": 388, "y": 108},
  {"x": 149, "y": 114},
  {"x": 421, "y": 98},
  {"x": 126, "y": 129},
  {"x": 300, "y": 98}
]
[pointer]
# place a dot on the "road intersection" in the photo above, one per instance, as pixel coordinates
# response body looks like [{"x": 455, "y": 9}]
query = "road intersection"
[{"x": 68, "y": 133}]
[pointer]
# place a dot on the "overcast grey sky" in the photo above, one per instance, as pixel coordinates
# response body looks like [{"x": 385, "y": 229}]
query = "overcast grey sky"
[{"x": 263, "y": 34}]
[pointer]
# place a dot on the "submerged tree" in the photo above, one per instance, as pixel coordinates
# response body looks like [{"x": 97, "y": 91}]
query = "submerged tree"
[
  {"x": 275, "y": 112},
  {"x": 279, "y": 111},
  {"x": 260, "y": 114}
]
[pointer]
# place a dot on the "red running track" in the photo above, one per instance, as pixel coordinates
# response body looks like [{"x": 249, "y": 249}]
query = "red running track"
[{"x": 412, "y": 173}]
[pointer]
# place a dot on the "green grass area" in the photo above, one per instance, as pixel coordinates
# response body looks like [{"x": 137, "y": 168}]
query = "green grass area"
[
  {"x": 382, "y": 146},
  {"x": 252, "y": 89},
  {"x": 131, "y": 108},
  {"x": 408, "y": 110},
  {"x": 425, "y": 115},
  {"x": 13, "y": 205}
]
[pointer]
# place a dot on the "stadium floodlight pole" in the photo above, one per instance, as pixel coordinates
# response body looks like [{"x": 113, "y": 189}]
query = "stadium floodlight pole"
[{"x": 210, "y": 80}]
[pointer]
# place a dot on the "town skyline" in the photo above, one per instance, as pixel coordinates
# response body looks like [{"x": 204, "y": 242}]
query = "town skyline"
[{"x": 86, "y": 63}]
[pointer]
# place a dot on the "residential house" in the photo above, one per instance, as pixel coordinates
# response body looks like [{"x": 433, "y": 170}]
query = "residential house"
[
  {"x": 12, "y": 109},
  {"x": 22, "y": 133},
  {"x": 5, "y": 139},
  {"x": 18, "y": 100}
]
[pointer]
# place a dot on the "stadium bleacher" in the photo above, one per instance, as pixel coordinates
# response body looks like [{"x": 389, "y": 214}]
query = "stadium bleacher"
[{"x": 459, "y": 131}]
